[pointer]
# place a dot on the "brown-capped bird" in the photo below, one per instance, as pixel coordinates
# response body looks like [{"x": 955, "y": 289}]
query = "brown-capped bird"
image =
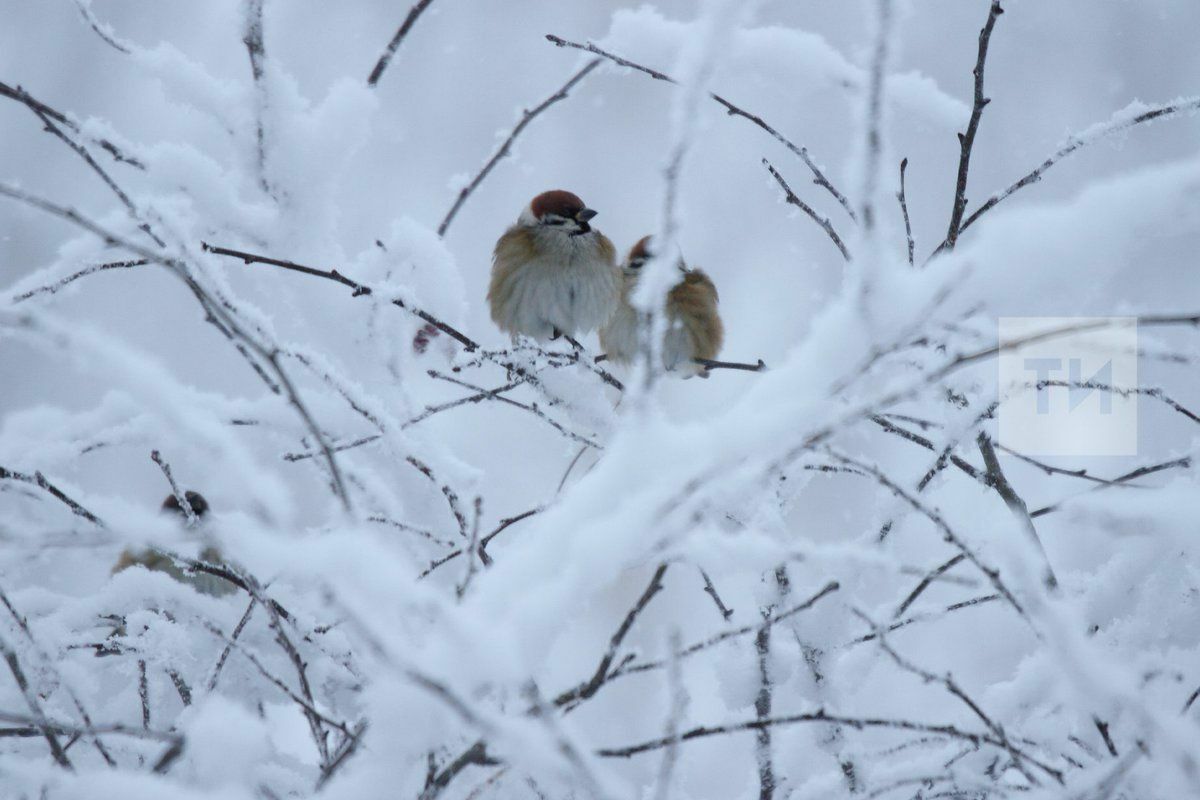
[
  {"x": 552, "y": 272},
  {"x": 694, "y": 328},
  {"x": 158, "y": 561}
]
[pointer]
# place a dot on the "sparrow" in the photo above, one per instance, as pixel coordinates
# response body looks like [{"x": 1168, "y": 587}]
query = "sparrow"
[
  {"x": 552, "y": 272},
  {"x": 158, "y": 561},
  {"x": 694, "y": 329}
]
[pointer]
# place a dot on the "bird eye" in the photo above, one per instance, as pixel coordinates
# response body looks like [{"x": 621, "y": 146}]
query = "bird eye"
[{"x": 553, "y": 221}]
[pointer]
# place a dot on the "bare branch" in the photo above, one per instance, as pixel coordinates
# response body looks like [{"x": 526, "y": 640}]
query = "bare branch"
[
  {"x": 967, "y": 141},
  {"x": 790, "y": 197},
  {"x": 1016, "y": 505},
  {"x": 39, "y": 480},
  {"x": 384, "y": 60},
  {"x": 733, "y": 111},
  {"x": 83, "y": 273},
  {"x": 252, "y": 37},
  {"x": 1114, "y": 126},
  {"x": 900, "y": 196},
  {"x": 358, "y": 289},
  {"x": 35, "y": 708},
  {"x": 85, "y": 11},
  {"x": 506, "y": 146},
  {"x": 37, "y": 107}
]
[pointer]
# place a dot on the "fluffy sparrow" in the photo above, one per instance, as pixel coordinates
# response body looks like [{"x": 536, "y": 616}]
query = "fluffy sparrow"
[
  {"x": 694, "y": 328},
  {"x": 552, "y": 273}
]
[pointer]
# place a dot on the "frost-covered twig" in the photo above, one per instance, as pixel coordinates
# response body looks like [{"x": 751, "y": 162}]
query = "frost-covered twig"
[
  {"x": 592, "y": 685},
  {"x": 1182, "y": 463},
  {"x": 790, "y": 197},
  {"x": 189, "y": 513},
  {"x": 733, "y": 111},
  {"x": 903, "y": 200},
  {"x": 711, "y": 591},
  {"x": 920, "y": 440},
  {"x": 85, "y": 11},
  {"x": 384, "y": 60},
  {"x": 527, "y": 117},
  {"x": 39, "y": 480},
  {"x": 532, "y": 408},
  {"x": 1121, "y": 121},
  {"x": 35, "y": 707},
  {"x": 947, "y": 681},
  {"x": 678, "y": 709},
  {"x": 967, "y": 140},
  {"x": 504, "y": 524},
  {"x": 358, "y": 289},
  {"x": 948, "y": 533},
  {"x": 873, "y": 152},
  {"x": 712, "y": 641},
  {"x": 233, "y": 637},
  {"x": 48, "y": 663},
  {"x": 252, "y": 37},
  {"x": 819, "y": 716},
  {"x": 925, "y": 582},
  {"x": 1016, "y": 505},
  {"x": 83, "y": 273},
  {"x": 472, "y": 550},
  {"x": 21, "y": 96},
  {"x": 220, "y": 313}
]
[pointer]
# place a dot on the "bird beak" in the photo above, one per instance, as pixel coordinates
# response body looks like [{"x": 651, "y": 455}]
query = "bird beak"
[{"x": 585, "y": 214}]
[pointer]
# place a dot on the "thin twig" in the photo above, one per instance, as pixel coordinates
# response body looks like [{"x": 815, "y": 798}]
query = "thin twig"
[
  {"x": 966, "y": 140},
  {"x": 710, "y": 364},
  {"x": 54, "y": 287},
  {"x": 189, "y": 513},
  {"x": 733, "y": 111},
  {"x": 824, "y": 222},
  {"x": 527, "y": 117},
  {"x": 39, "y": 480},
  {"x": 1116, "y": 125},
  {"x": 358, "y": 289},
  {"x": 21, "y": 96},
  {"x": 35, "y": 708},
  {"x": 384, "y": 60},
  {"x": 1016, "y": 505},
  {"x": 711, "y": 591},
  {"x": 902, "y": 197}
]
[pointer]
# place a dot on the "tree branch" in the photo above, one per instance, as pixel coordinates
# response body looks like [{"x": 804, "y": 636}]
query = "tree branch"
[
  {"x": 414, "y": 13},
  {"x": 506, "y": 146}
]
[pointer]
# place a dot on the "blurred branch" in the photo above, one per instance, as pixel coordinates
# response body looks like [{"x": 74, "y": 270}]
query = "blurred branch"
[
  {"x": 874, "y": 112},
  {"x": 252, "y": 37},
  {"x": 39, "y": 108},
  {"x": 901, "y": 196},
  {"x": 527, "y": 116},
  {"x": 926, "y": 581},
  {"x": 820, "y": 716},
  {"x": 504, "y": 524},
  {"x": 211, "y": 685},
  {"x": 85, "y": 11},
  {"x": 48, "y": 663},
  {"x": 967, "y": 141},
  {"x": 733, "y": 111},
  {"x": 384, "y": 60},
  {"x": 39, "y": 480},
  {"x": 35, "y": 708},
  {"x": 710, "y": 364},
  {"x": 790, "y": 197}
]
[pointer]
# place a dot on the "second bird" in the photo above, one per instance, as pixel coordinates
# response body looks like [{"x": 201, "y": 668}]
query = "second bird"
[
  {"x": 552, "y": 272},
  {"x": 694, "y": 329}
]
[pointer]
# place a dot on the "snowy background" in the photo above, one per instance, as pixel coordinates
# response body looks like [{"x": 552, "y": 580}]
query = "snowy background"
[{"x": 774, "y": 485}]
